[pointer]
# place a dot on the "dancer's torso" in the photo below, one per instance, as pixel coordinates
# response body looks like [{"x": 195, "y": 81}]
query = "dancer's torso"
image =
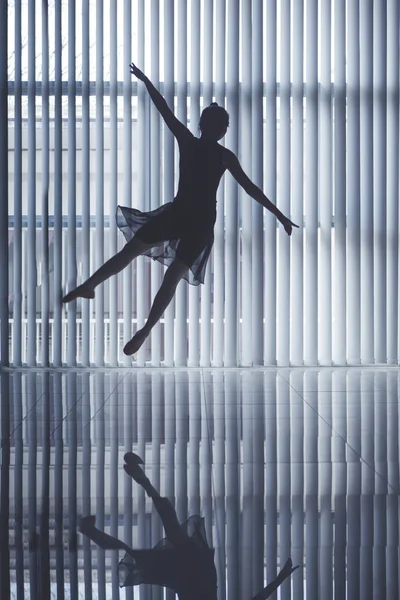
[{"x": 200, "y": 170}]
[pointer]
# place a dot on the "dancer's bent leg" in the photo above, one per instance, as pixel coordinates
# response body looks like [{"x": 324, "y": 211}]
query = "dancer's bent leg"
[
  {"x": 163, "y": 505},
  {"x": 172, "y": 277},
  {"x": 114, "y": 265}
]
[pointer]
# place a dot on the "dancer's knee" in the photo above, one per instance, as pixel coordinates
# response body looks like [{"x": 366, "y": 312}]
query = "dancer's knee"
[
  {"x": 135, "y": 247},
  {"x": 175, "y": 272}
]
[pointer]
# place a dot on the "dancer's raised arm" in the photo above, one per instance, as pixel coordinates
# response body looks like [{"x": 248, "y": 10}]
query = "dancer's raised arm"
[
  {"x": 287, "y": 570},
  {"x": 233, "y": 165},
  {"x": 177, "y": 128}
]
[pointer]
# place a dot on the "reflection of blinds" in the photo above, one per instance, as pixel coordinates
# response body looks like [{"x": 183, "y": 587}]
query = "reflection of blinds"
[
  {"x": 313, "y": 477},
  {"x": 313, "y": 118},
  {"x": 4, "y": 289}
]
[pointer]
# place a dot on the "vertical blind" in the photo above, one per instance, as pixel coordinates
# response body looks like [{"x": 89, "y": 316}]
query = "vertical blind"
[{"x": 312, "y": 89}]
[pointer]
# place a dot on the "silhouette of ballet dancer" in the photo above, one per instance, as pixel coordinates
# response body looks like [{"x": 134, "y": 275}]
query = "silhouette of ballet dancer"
[
  {"x": 183, "y": 561},
  {"x": 180, "y": 233}
]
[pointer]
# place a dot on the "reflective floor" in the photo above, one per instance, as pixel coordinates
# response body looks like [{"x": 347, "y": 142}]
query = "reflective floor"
[{"x": 279, "y": 462}]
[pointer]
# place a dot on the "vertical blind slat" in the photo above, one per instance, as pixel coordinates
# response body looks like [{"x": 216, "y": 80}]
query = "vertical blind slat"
[
  {"x": 231, "y": 198},
  {"x": 258, "y": 485},
  {"x": 157, "y": 444},
  {"x": 142, "y": 268},
  {"x": 339, "y": 483},
  {"x": 353, "y": 184},
  {"x": 311, "y": 527},
  {"x": 58, "y": 170},
  {"x": 98, "y": 434},
  {"x": 17, "y": 281},
  {"x": 297, "y": 169},
  {"x": 169, "y": 447},
  {"x": 339, "y": 315},
  {"x": 366, "y": 180},
  {"x": 4, "y": 289},
  {"x": 85, "y": 238},
  {"x": 218, "y": 256},
  {"x": 246, "y": 479},
  {"x": 30, "y": 491},
  {"x": 86, "y": 483},
  {"x": 71, "y": 211},
  {"x": 155, "y": 174},
  {"x": 127, "y": 160},
  {"x": 257, "y": 153},
  {"x": 232, "y": 483},
  {"x": 72, "y": 395},
  {"x": 18, "y": 489},
  {"x": 270, "y": 165},
  {"x": 379, "y": 183},
  {"x": 381, "y": 487},
  {"x": 367, "y": 494},
  {"x": 297, "y": 487},
  {"x": 204, "y": 294},
  {"x": 325, "y": 483},
  {"x": 353, "y": 490},
  {"x": 181, "y": 292},
  {"x": 325, "y": 191},
  {"x": 271, "y": 491},
  {"x": 45, "y": 333},
  {"x": 31, "y": 238},
  {"x": 115, "y": 467},
  {"x": 283, "y": 196},
  {"x": 129, "y": 418},
  {"x": 311, "y": 182},
  {"x": 392, "y": 180},
  {"x": 219, "y": 483},
  {"x": 99, "y": 234},
  {"x": 112, "y": 358},
  {"x": 57, "y": 436},
  {"x": 245, "y": 203},
  {"x": 194, "y": 295},
  {"x": 392, "y": 524},
  {"x": 284, "y": 475},
  {"x": 168, "y": 152}
]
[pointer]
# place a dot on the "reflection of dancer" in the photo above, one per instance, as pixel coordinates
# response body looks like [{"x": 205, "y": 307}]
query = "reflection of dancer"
[
  {"x": 182, "y": 561},
  {"x": 179, "y": 233}
]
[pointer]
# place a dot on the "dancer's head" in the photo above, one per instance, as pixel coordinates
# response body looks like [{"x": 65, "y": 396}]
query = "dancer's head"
[{"x": 214, "y": 122}]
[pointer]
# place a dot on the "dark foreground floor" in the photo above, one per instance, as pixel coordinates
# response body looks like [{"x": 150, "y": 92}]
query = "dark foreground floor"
[{"x": 280, "y": 462}]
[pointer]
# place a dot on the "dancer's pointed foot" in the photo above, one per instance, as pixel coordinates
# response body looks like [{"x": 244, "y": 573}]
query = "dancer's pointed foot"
[
  {"x": 82, "y": 291},
  {"x": 133, "y": 459},
  {"x": 87, "y": 524},
  {"x": 136, "y": 473},
  {"x": 133, "y": 469},
  {"x": 135, "y": 343}
]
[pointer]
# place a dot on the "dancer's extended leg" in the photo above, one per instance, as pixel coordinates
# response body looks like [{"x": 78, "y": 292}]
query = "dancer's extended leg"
[
  {"x": 105, "y": 541},
  {"x": 114, "y": 265},
  {"x": 163, "y": 505},
  {"x": 172, "y": 277}
]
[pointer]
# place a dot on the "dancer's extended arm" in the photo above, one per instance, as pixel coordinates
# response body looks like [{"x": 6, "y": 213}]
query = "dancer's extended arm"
[
  {"x": 273, "y": 586},
  {"x": 177, "y": 128},
  {"x": 233, "y": 165}
]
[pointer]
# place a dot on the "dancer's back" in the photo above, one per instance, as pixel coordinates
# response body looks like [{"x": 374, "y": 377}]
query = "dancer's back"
[{"x": 200, "y": 171}]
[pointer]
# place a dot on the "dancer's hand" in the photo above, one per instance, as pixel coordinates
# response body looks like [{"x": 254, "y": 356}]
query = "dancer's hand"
[
  {"x": 286, "y": 571},
  {"x": 288, "y": 224},
  {"x": 137, "y": 72}
]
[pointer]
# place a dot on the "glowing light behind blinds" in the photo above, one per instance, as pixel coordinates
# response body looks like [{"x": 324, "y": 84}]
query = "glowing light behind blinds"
[{"x": 313, "y": 118}]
